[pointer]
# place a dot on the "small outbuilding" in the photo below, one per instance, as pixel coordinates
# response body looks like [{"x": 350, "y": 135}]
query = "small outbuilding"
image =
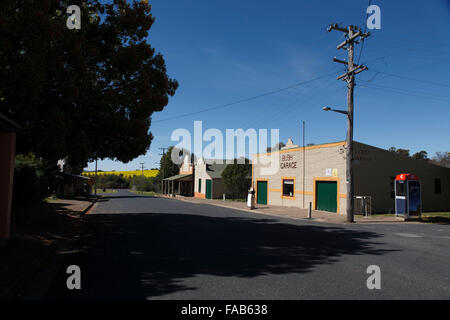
[
  {"x": 73, "y": 185},
  {"x": 8, "y": 130},
  {"x": 208, "y": 179}
]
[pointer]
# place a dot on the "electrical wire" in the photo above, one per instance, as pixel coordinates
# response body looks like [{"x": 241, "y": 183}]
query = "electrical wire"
[
  {"x": 276, "y": 113},
  {"x": 407, "y": 92},
  {"x": 245, "y": 100},
  {"x": 409, "y": 78},
  {"x": 365, "y": 29},
  {"x": 411, "y": 49},
  {"x": 413, "y": 40},
  {"x": 258, "y": 96}
]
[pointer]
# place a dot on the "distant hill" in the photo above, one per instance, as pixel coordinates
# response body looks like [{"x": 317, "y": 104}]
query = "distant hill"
[{"x": 148, "y": 173}]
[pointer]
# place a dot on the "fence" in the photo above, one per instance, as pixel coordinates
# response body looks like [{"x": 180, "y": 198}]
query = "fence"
[{"x": 363, "y": 205}]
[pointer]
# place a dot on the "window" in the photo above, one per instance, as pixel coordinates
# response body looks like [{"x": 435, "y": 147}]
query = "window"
[
  {"x": 288, "y": 187},
  {"x": 199, "y": 185},
  {"x": 437, "y": 185}
]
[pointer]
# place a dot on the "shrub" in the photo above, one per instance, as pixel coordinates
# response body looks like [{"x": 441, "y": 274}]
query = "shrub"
[
  {"x": 31, "y": 183},
  {"x": 142, "y": 183}
]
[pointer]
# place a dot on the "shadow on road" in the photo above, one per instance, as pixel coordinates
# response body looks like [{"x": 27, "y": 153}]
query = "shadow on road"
[
  {"x": 436, "y": 219},
  {"x": 138, "y": 256}
]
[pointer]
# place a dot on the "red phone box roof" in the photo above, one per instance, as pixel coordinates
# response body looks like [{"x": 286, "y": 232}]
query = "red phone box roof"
[{"x": 406, "y": 176}]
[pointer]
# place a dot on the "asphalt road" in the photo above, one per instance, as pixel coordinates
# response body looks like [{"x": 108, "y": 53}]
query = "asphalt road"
[{"x": 135, "y": 247}]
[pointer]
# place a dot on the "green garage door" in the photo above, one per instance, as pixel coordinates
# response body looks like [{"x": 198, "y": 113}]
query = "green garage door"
[
  {"x": 326, "y": 196},
  {"x": 261, "y": 188},
  {"x": 208, "y": 189}
]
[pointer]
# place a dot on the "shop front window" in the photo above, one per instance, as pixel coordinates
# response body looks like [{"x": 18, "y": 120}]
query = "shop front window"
[{"x": 288, "y": 187}]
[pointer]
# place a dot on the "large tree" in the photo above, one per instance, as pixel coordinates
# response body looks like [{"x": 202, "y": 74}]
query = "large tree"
[{"x": 81, "y": 94}]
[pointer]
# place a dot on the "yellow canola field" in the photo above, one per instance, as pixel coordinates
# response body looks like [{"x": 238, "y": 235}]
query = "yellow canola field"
[{"x": 126, "y": 174}]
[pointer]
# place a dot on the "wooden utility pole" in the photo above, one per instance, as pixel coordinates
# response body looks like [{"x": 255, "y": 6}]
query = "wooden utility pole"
[
  {"x": 142, "y": 167},
  {"x": 303, "y": 164},
  {"x": 95, "y": 185},
  {"x": 162, "y": 168},
  {"x": 353, "y": 35}
]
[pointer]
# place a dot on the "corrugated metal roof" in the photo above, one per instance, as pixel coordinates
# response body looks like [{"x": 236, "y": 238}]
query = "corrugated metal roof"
[
  {"x": 215, "y": 170},
  {"x": 178, "y": 176},
  {"x": 7, "y": 124}
]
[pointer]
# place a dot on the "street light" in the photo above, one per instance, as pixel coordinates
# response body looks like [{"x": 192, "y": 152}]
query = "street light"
[
  {"x": 349, "y": 160},
  {"x": 339, "y": 111}
]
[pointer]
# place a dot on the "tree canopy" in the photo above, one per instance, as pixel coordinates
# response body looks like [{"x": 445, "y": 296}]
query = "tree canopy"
[
  {"x": 276, "y": 147},
  {"x": 442, "y": 159},
  {"x": 81, "y": 94},
  {"x": 237, "y": 177},
  {"x": 400, "y": 151},
  {"x": 169, "y": 168},
  {"x": 421, "y": 155}
]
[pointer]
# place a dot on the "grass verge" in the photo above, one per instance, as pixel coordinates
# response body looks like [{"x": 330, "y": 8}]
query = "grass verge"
[
  {"x": 429, "y": 217},
  {"x": 436, "y": 217}
]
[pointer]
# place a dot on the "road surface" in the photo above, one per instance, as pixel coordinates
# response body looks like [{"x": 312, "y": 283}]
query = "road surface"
[{"x": 135, "y": 247}]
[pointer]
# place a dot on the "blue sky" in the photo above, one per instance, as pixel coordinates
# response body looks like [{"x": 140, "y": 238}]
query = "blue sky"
[{"x": 225, "y": 51}]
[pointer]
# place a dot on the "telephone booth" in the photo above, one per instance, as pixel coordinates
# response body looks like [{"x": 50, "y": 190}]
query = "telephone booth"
[{"x": 408, "y": 196}]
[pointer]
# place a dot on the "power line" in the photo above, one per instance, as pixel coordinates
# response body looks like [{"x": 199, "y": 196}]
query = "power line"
[
  {"x": 275, "y": 109},
  {"x": 313, "y": 94},
  {"x": 414, "y": 40},
  {"x": 365, "y": 29},
  {"x": 409, "y": 78},
  {"x": 413, "y": 49},
  {"x": 245, "y": 100},
  {"x": 404, "y": 55},
  {"x": 406, "y": 91}
]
